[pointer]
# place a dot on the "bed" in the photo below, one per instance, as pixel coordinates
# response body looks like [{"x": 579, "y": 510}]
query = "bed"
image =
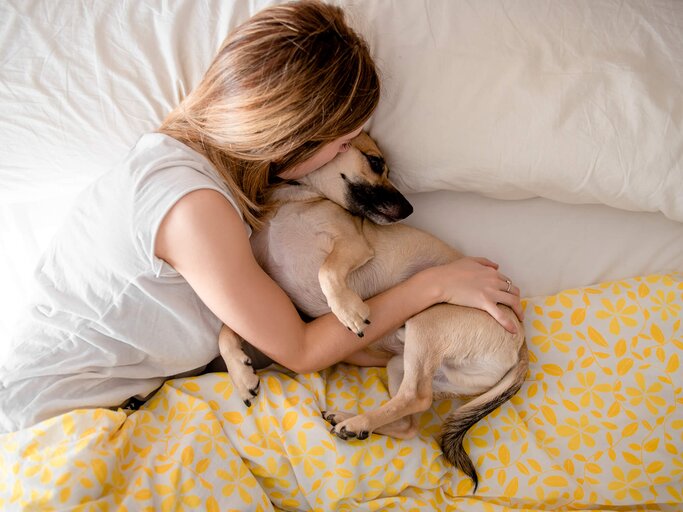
[{"x": 547, "y": 136}]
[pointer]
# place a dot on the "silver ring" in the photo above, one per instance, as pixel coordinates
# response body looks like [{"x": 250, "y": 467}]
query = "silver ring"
[{"x": 509, "y": 285}]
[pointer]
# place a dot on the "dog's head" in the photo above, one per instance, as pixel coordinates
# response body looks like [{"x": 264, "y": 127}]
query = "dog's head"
[{"x": 358, "y": 180}]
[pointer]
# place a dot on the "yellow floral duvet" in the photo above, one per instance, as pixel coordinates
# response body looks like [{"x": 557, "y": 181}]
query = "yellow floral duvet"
[{"x": 598, "y": 425}]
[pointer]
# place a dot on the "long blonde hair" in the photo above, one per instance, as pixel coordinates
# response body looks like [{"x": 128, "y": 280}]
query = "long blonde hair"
[{"x": 287, "y": 81}]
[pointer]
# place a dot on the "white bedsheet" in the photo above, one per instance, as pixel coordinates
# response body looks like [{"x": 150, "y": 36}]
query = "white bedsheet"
[{"x": 547, "y": 246}]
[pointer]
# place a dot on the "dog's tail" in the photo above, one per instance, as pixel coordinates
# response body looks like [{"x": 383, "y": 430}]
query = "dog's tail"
[{"x": 457, "y": 424}]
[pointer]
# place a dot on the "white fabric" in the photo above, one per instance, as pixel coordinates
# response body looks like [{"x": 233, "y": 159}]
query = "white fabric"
[
  {"x": 109, "y": 319},
  {"x": 545, "y": 246},
  {"x": 577, "y": 101}
]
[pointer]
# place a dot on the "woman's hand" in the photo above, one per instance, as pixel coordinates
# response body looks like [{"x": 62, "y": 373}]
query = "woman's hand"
[{"x": 476, "y": 283}]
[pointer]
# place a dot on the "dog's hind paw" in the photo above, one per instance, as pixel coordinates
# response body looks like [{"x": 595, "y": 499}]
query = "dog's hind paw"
[
  {"x": 329, "y": 417},
  {"x": 345, "y": 434},
  {"x": 334, "y": 417},
  {"x": 342, "y": 425}
]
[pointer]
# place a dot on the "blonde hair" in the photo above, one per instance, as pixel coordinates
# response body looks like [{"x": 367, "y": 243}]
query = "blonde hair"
[{"x": 287, "y": 81}]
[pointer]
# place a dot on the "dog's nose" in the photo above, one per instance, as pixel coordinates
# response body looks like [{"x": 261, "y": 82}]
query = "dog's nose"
[
  {"x": 396, "y": 207},
  {"x": 406, "y": 208}
]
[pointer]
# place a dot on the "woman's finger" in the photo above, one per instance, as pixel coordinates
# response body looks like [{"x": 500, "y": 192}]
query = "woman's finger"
[
  {"x": 511, "y": 289},
  {"x": 502, "y": 319},
  {"x": 511, "y": 301},
  {"x": 507, "y": 286},
  {"x": 486, "y": 262}
]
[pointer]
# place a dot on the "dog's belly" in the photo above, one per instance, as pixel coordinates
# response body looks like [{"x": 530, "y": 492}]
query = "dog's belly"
[{"x": 400, "y": 252}]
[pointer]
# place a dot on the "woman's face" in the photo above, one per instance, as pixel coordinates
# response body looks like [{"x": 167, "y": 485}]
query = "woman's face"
[{"x": 321, "y": 157}]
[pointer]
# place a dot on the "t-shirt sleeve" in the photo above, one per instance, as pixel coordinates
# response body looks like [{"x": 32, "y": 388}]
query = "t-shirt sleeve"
[{"x": 155, "y": 195}]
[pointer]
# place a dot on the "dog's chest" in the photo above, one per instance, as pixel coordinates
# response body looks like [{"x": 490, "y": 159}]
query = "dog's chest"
[{"x": 291, "y": 249}]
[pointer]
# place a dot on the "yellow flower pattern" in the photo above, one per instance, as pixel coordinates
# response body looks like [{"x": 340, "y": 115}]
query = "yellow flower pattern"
[{"x": 598, "y": 425}]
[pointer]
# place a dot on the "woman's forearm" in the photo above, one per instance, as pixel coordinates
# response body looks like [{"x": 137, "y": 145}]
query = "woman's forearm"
[
  {"x": 471, "y": 282},
  {"x": 327, "y": 341}
]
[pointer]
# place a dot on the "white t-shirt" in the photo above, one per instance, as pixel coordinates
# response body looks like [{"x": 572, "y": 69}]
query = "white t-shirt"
[{"x": 110, "y": 320}]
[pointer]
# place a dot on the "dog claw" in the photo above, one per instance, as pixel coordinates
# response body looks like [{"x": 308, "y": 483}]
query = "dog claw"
[
  {"x": 347, "y": 433},
  {"x": 343, "y": 433},
  {"x": 329, "y": 418},
  {"x": 360, "y": 334},
  {"x": 247, "y": 403},
  {"x": 339, "y": 434},
  {"x": 367, "y": 322}
]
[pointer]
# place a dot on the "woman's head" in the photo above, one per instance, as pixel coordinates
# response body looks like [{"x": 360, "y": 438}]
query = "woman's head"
[{"x": 292, "y": 79}]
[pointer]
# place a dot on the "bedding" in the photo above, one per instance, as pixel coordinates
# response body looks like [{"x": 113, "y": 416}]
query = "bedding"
[
  {"x": 598, "y": 425},
  {"x": 545, "y": 136},
  {"x": 574, "y": 101},
  {"x": 547, "y": 246}
]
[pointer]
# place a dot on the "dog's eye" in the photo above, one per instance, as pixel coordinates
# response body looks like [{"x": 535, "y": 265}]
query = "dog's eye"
[{"x": 376, "y": 163}]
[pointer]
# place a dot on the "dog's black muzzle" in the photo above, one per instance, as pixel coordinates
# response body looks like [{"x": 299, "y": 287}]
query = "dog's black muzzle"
[{"x": 378, "y": 203}]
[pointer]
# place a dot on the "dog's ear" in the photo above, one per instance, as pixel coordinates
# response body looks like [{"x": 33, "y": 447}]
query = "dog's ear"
[
  {"x": 367, "y": 146},
  {"x": 364, "y": 143}
]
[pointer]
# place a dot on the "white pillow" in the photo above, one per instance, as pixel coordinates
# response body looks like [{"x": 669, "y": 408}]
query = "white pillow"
[{"x": 577, "y": 101}]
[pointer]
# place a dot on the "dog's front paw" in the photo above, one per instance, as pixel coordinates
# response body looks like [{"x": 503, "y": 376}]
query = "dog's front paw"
[{"x": 352, "y": 312}]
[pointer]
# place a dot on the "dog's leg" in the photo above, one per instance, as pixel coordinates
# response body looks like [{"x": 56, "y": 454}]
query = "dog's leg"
[
  {"x": 406, "y": 427},
  {"x": 348, "y": 253},
  {"x": 239, "y": 366},
  {"x": 414, "y": 395},
  {"x": 403, "y": 428}
]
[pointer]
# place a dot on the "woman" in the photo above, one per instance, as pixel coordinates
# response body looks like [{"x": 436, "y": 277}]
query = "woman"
[{"x": 155, "y": 256}]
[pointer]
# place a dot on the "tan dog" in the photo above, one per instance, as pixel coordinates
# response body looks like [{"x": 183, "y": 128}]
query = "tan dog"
[{"x": 331, "y": 244}]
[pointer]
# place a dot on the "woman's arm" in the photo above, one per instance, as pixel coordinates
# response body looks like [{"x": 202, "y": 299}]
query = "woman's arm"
[{"x": 205, "y": 240}]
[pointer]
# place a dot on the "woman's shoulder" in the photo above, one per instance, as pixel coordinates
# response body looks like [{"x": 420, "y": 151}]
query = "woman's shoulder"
[
  {"x": 164, "y": 170},
  {"x": 156, "y": 149},
  {"x": 159, "y": 165}
]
